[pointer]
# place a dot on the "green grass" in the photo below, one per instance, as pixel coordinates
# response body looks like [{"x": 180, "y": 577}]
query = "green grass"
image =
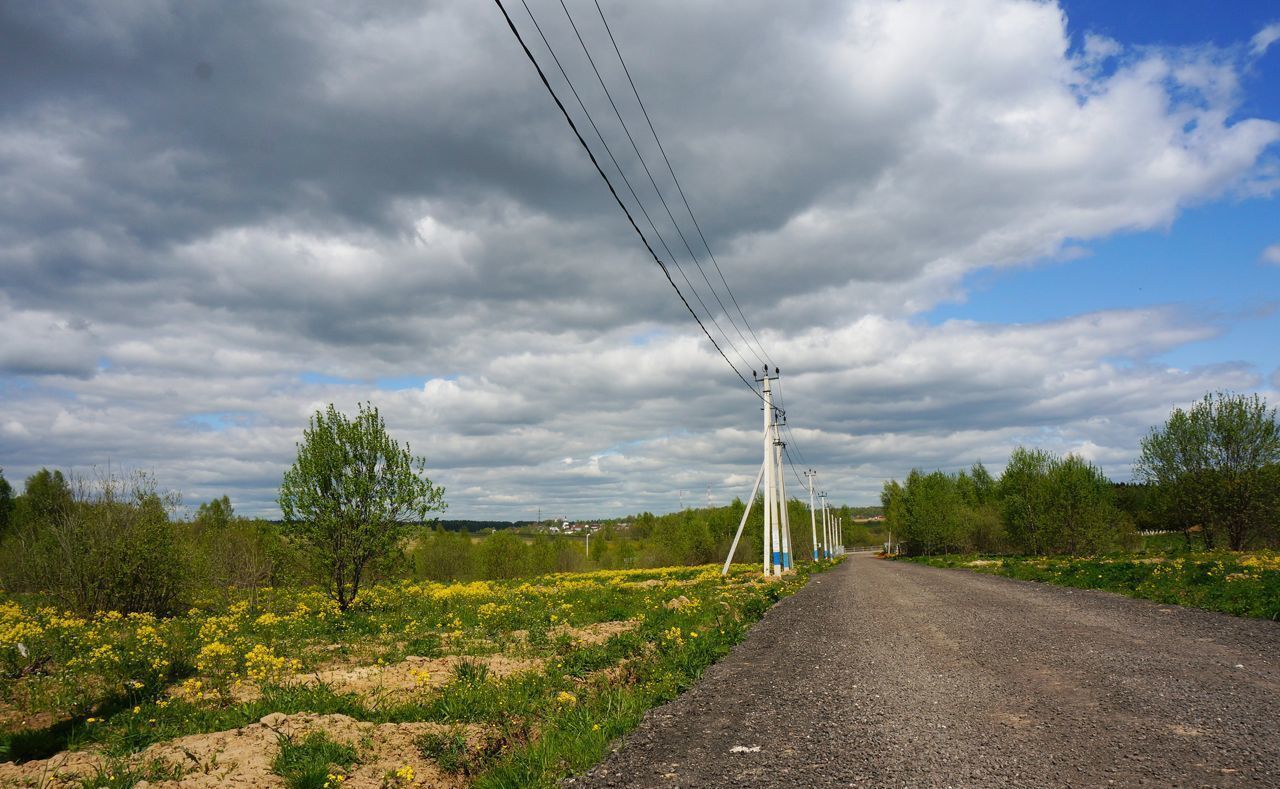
[
  {"x": 537, "y": 727},
  {"x": 1242, "y": 584},
  {"x": 308, "y": 764}
]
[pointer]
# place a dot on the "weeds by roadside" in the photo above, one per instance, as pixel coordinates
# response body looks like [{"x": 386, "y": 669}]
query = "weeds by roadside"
[
  {"x": 1243, "y": 584},
  {"x": 524, "y": 682}
]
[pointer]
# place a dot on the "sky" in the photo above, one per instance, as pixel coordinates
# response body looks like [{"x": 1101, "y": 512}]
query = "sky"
[{"x": 957, "y": 226}]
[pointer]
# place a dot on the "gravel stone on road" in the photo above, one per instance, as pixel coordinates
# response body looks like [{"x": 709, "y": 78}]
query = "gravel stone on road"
[{"x": 895, "y": 674}]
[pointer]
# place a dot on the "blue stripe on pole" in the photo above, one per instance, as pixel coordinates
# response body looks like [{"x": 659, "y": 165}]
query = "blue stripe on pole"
[{"x": 777, "y": 558}]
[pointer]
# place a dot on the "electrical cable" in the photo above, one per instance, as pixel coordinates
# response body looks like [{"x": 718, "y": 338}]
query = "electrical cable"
[
  {"x": 654, "y": 183},
  {"x": 581, "y": 141},
  {"x": 794, "y": 470},
  {"x": 680, "y": 189},
  {"x": 786, "y": 426},
  {"x": 622, "y": 173}
]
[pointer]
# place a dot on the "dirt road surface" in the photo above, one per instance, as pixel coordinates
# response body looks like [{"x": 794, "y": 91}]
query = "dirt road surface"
[{"x": 894, "y": 674}]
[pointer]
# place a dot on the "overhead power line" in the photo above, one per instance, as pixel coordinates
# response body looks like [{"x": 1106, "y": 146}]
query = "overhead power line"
[
  {"x": 622, "y": 173},
  {"x": 658, "y": 191},
  {"x": 765, "y": 358},
  {"x": 591, "y": 155}
]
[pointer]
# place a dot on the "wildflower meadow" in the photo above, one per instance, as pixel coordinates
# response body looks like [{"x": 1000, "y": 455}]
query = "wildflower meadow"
[{"x": 488, "y": 683}]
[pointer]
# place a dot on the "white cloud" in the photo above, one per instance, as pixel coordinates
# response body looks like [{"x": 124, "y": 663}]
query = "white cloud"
[
  {"x": 1271, "y": 254},
  {"x": 1265, "y": 37},
  {"x": 353, "y": 198}
]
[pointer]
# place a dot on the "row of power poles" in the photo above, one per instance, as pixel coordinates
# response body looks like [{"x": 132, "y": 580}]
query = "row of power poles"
[{"x": 777, "y": 555}]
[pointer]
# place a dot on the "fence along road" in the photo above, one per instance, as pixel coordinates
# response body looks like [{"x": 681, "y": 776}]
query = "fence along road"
[{"x": 894, "y": 674}]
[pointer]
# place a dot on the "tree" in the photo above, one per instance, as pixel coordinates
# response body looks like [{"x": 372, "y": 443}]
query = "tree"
[
  {"x": 46, "y": 498},
  {"x": 893, "y": 499},
  {"x": 1218, "y": 465},
  {"x": 6, "y": 503},
  {"x": 932, "y": 514},
  {"x": 1081, "y": 508},
  {"x": 216, "y": 513},
  {"x": 351, "y": 496},
  {"x": 110, "y": 546},
  {"x": 502, "y": 555},
  {"x": 1024, "y": 498}
]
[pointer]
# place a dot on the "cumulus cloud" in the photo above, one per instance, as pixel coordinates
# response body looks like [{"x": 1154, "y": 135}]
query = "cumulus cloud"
[
  {"x": 1271, "y": 255},
  {"x": 217, "y": 221}
]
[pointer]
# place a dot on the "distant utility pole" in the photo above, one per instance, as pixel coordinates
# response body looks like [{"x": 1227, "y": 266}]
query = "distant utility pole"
[
  {"x": 813, "y": 519},
  {"x": 826, "y": 527}
]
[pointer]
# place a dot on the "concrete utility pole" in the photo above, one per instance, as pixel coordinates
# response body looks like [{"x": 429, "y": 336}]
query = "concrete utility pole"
[
  {"x": 746, "y": 512},
  {"x": 826, "y": 527},
  {"x": 773, "y": 532},
  {"x": 813, "y": 518},
  {"x": 782, "y": 497},
  {"x": 776, "y": 555}
]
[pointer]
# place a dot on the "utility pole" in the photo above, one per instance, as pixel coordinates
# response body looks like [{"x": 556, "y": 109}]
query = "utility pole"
[
  {"x": 773, "y": 532},
  {"x": 813, "y": 519},
  {"x": 776, "y": 540},
  {"x": 785, "y": 520},
  {"x": 826, "y": 527}
]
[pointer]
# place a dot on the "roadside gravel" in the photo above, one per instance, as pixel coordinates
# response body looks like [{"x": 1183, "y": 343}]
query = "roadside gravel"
[{"x": 900, "y": 675}]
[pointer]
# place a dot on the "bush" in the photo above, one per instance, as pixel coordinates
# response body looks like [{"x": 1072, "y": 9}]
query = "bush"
[{"x": 110, "y": 548}]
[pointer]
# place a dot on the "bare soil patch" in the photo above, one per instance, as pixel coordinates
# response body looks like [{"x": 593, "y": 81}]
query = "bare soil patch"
[{"x": 242, "y": 757}]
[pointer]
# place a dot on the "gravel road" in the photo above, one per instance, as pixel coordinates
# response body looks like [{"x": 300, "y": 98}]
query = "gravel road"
[{"x": 895, "y": 674}]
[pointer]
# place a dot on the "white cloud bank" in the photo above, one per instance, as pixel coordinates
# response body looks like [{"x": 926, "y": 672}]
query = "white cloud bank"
[{"x": 198, "y": 254}]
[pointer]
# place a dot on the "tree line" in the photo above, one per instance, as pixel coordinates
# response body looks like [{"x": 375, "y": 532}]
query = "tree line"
[
  {"x": 1211, "y": 471},
  {"x": 355, "y": 507}
]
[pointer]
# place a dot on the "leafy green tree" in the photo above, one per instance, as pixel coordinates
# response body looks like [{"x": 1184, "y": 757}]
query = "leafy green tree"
[
  {"x": 600, "y": 545},
  {"x": 444, "y": 556},
  {"x": 934, "y": 514},
  {"x": 46, "y": 498},
  {"x": 109, "y": 547},
  {"x": 1025, "y": 500},
  {"x": 1218, "y": 465},
  {"x": 1081, "y": 511},
  {"x": 893, "y": 499},
  {"x": 6, "y": 503},
  {"x": 216, "y": 513},
  {"x": 502, "y": 555},
  {"x": 351, "y": 496}
]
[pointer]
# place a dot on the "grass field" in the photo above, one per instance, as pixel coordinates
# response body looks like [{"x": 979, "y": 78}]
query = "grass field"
[
  {"x": 497, "y": 684},
  {"x": 1244, "y": 584}
]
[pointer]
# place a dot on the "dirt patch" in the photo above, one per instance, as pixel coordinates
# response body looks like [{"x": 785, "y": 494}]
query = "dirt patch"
[
  {"x": 587, "y": 635},
  {"x": 677, "y": 603},
  {"x": 411, "y": 675},
  {"x": 242, "y": 757},
  {"x": 14, "y": 719},
  {"x": 597, "y": 633}
]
